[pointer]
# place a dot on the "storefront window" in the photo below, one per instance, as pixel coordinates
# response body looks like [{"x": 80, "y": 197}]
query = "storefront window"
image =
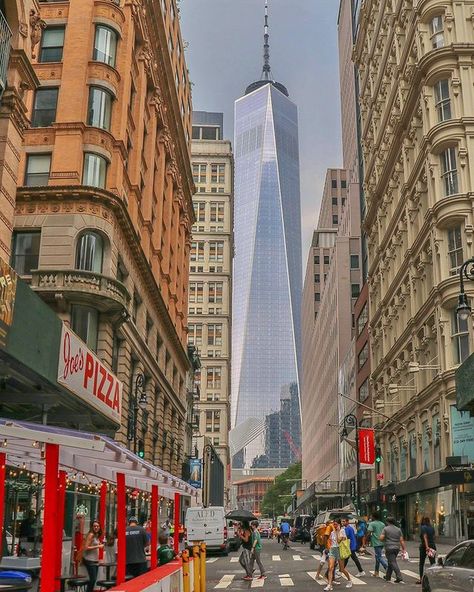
[{"x": 438, "y": 505}]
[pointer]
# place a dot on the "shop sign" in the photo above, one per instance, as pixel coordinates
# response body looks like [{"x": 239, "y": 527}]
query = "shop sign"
[
  {"x": 195, "y": 471},
  {"x": 82, "y": 373},
  {"x": 462, "y": 433},
  {"x": 8, "y": 279},
  {"x": 366, "y": 448}
]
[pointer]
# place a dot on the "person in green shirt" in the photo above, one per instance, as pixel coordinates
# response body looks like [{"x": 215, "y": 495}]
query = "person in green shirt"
[
  {"x": 165, "y": 552},
  {"x": 256, "y": 549},
  {"x": 374, "y": 530}
]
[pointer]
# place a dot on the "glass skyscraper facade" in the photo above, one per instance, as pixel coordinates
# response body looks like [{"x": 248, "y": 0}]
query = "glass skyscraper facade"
[{"x": 267, "y": 277}]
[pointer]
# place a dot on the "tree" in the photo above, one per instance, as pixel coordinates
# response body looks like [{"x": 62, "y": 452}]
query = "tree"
[{"x": 278, "y": 497}]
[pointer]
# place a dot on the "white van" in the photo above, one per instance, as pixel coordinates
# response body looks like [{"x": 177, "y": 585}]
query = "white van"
[{"x": 207, "y": 525}]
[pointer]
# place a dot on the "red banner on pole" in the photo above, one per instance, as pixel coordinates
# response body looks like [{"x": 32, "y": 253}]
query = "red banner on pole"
[{"x": 366, "y": 448}]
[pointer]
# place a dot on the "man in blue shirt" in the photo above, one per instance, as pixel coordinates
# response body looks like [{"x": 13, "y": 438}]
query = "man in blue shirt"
[
  {"x": 351, "y": 535},
  {"x": 285, "y": 533}
]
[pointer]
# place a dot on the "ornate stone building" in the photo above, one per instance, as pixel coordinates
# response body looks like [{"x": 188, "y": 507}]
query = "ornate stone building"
[
  {"x": 415, "y": 63},
  {"x": 102, "y": 225}
]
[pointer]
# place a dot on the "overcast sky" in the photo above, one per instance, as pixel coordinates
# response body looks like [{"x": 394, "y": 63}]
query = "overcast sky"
[{"x": 225, "y": 54}]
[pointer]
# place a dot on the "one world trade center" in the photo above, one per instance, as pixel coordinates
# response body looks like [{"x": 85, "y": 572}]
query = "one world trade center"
[{"x": 266, "y": 329}]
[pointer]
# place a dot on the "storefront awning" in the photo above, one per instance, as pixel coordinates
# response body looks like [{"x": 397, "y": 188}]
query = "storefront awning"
[{"x": 86, "y": 457}]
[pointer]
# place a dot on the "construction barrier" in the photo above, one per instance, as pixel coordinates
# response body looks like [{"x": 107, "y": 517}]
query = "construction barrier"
[{"x": 182, "y": 575}]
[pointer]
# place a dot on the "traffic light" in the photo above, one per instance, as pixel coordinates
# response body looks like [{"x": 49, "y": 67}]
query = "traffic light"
[
  {"x": 378, "y": 455},
  {"x": 141, "y": 449}
]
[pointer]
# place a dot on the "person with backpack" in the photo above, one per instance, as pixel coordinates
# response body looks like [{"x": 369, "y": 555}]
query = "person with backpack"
[{"x": 285, "y": 534}]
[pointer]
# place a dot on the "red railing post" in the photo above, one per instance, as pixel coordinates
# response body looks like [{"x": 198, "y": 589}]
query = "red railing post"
[
  {"x": 154, "y": 526},
  {"x": 121, "y": 527},
  {"x": 3, "y": 473},
  {"x": 176, "y": 523},
  {"x": 48, "y": 557},
  {"x": 61, "y": 493},
  {"x": 102, "y": 513}
]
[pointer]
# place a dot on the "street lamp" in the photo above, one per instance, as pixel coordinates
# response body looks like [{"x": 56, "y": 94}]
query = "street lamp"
[
  {"x": 350, "y": 421},
  {"x": 463, "y": 309},
  {"x": 137, "y": 401},
  {"x": 207, "y": 455}
]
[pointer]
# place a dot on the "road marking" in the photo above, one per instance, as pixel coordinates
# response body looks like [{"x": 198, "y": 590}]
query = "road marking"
[
  {"x": 258, "y": 583},
  {"x": 212, "y": 560},
  {"x": 225, "y": 582},
  {"x": 285, "y": 580},
  {"x": 297, "y": 558},
  {"x": 234, "y": 559},
  {"x": 276, "y": 558},
  {"x": 412, "y": 574},
  {"x": 356, "y": 581}
]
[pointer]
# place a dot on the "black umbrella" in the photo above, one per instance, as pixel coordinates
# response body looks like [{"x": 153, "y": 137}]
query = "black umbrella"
[{"x": 241, "y": 516}]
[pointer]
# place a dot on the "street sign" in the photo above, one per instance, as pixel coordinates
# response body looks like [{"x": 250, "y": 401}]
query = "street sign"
[{"x": 379, "y": 476}]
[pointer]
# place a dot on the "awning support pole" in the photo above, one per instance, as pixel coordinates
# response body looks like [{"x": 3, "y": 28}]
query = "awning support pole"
[
  {"x": 176, "y": 523},
  {"x": 102, "y": 513},
  {"x": 154, "y": 526},
  {"x": 3, "y": 472},
  {"x": 48, "y": 557},
  {"x": 60, "y": 520},
  {"x": 121, "y": 527}
]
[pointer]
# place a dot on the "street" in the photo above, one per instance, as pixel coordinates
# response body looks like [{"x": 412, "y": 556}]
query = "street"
[{"x": 295, "y": 569}]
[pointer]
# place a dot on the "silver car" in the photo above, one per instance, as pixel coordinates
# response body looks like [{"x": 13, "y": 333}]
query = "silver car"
[{"x": 452, "y": 573}]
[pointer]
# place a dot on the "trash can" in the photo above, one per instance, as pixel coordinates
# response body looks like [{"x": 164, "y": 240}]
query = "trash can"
[{"x": 15, "y": 580}]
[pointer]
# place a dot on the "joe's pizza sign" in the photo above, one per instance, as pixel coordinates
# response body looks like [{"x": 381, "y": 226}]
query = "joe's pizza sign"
[{"x": 82, "y": 373}]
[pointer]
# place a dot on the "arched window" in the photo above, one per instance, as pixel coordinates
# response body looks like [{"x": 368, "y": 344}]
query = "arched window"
[{"x": 89, "y": 252}]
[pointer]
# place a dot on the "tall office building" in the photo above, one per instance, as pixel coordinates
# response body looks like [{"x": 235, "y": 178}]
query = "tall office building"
[{"x": 267, "y": 264}]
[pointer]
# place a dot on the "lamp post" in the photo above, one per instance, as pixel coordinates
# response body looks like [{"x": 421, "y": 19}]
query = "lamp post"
[
  {"x": 466, "y": 271},
  {"x": 207, "y": 454},
  {"x": 351, "y": 421},
  {"x": 138, "y": 400}
]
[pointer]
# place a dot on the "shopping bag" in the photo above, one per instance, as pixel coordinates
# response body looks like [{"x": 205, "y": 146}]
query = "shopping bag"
[{"x": 345, "y": 549}]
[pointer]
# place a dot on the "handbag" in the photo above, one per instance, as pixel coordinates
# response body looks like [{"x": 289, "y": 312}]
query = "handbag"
[{"x": 345, "y": 549}]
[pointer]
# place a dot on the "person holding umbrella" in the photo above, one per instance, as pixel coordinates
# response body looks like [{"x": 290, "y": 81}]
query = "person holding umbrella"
[{"x": 245, "y": 535}]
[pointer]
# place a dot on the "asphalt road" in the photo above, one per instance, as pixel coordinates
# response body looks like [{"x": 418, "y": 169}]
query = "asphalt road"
[{"x": 294, "y": 570}]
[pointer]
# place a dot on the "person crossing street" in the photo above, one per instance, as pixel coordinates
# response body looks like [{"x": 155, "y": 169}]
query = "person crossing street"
[
  {"x": 285, "y": 534},
  {"x": 352, "y": 536},
  {"x": 256, "y": 549},
  {"x": 374, "y": 530}
]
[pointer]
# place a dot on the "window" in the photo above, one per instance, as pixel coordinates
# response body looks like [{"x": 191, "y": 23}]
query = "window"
[
  {"x": 214, "y": 334},
  {"x": 317, "y": 278},
  {"x": 100, "y": 108},
  {"x": 455, "y": 252},
  {"x": 456, "y": 557},
  {"x": 355, "y": 290},
  {"x": 316, "y": 260},
  {"x": 52, "y": 42},
  {"x": 364, "y": 391},
  {"x": 95, "y": 170},
  {"x": 213, "y": 421},
  {"x": 37, "y": 170},
  {"x": 436, "y": 431},
  {"x": 326, "y": 259},
  {"x": 460, "y": 338},
  {"x": 85, "y": 323},
  {"x": 200, "y": 211},
  {"x": 136, "y": 306},
  {"x": 44, "y": 108},
  {"x": 437, "y": 31},
  {"x": 449, "y": 171},
  {"x": 199, "y": 172},
  {"x": 196, "y": 292},
  {"x": 105, "y": 45},
  {"x": 343, "y": 201},
  {"x": 197, "y": 251},
  {"x": 335, "y": 219},
  {"x": 216, "y": 251},
  {"x": 425, "y": 447},
  {"x": 343, "y": 184},
  {"x": 354, "y": 261},
  {"x": 213, "y": 377},
  {"x": 334, "y": 183},
  {"x": 215, "y": 292},
  {"x": 362, "y": 319},
  {"x": 412, "y": 453},
  {"x": 25, "y": 251},
  {"x": 217, "y": 211},
  {"x": 116, "y": 344},
  {"x": 334, "y": 201},
  {"x": 363, "y": 355},
  {"x": 218, "y": 173},
  {"x": 442, "y": 100},
  {"x": 195, "y": 334},
  {"x": 89, "y": 252},
  {"x": 317, "y": 297}
]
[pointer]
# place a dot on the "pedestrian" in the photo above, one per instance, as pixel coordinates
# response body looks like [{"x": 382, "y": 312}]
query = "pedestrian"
[
  {"x": 165, "y": 552},
  {"x": 392, "y": 537},
  {"x": 245, "y": 535},
  {"x": 351, "y": 535},
  {"x": 336, "y": 537},
  {"x": 374, "y": 530},
  {"x": 322, "y": 562},
  {"x": 285, "y": 534},
  {"x": 427, "y": 544},
  {"x": 90, "y": 553},
  {"x": 256, "y": 549},
  {"x": 361, "y": 532},
  {"x": 136, "y": 542}
]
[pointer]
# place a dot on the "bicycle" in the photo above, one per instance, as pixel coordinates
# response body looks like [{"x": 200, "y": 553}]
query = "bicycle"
[{"x": 284, "y": 538}]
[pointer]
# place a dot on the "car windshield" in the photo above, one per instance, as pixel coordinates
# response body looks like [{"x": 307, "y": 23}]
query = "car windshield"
[{"x": 456, "y": 557}]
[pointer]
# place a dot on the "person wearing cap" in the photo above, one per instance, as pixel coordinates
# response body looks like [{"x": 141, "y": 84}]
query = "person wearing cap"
[{"x": 136, "y": 542}]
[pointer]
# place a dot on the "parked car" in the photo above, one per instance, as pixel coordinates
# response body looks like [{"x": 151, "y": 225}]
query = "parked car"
[
  {"x": 323, "y": 517},
  {"x": 207, "y": 525},
  {"x": 301, "y": 528},
  {"x": 233, "y": 539},
  {"x": 453, "y": 572}
]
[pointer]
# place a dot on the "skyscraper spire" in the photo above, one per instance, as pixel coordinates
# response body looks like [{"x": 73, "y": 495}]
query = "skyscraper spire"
[{"x": 266, "y": 48}]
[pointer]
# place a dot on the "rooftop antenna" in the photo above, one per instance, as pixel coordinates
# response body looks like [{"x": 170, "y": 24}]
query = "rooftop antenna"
[{"x": 266, "y": 48}]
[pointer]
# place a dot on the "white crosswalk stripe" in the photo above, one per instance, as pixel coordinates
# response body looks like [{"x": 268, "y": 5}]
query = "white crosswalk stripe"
[
  {"x": 285, "y": 580},
  {"x": 276, "y": 558},
  {"x": 225, "y": 582},
  {"x": 212, "y": 560},
  {"x": 322, "y": 581},
  {"x": 409, "y": 573},
  {"x": 297, "y": 558},
  {"x": 318, "y": 557},
  {"x": 234, "y": 559},
  {"x": 257, "y": 583}
]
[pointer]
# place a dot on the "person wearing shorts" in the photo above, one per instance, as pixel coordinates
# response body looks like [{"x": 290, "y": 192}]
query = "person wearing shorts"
[{"x": 337, "y": 535}]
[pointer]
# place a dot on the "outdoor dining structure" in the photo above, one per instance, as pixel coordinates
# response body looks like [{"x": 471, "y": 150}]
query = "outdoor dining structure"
[{"x": 68, "y": 479}]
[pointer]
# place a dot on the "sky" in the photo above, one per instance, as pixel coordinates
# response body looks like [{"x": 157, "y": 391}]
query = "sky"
[{"x": 224, "y": 55}]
